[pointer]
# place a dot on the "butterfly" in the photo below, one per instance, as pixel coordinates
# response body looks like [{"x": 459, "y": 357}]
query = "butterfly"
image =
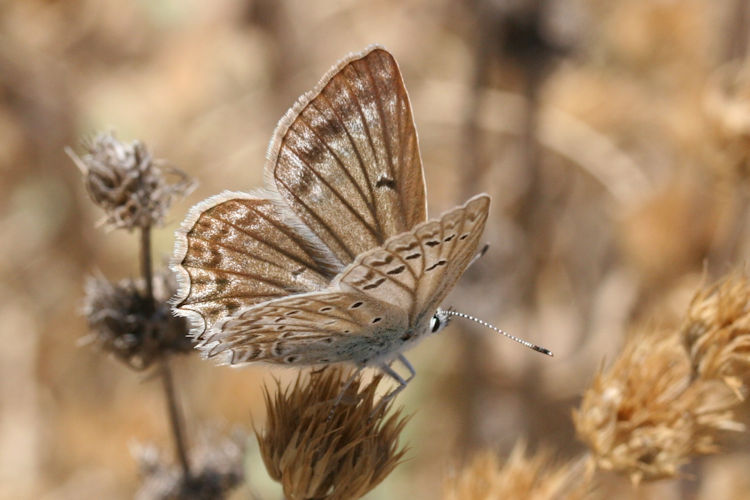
[{"x": 335, "y": 261}]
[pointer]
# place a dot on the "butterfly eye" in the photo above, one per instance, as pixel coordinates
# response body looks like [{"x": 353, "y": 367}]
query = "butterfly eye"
[{"x": 435, "y": 323}]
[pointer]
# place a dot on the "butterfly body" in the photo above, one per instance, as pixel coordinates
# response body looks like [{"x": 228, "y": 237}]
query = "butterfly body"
[{"x": 335, "y": 261}]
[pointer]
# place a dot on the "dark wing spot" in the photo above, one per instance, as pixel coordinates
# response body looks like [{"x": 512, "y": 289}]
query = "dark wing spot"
[
  {"x": 325, "y": 309},
  {"x": 291, "y": 313},
  {"x": 279, "y": 319},
  {"x": 327, "y": 340},
  {"x": 291, "y": 359},
  {"x": 439, "y": 263},
  {"x": 221, "y": 284},
  {"x": 278, "y": 349},
  {"x": 397, "y": 270},
  {"x": 280, "y": 327},
  {"x": 449, "y": 238},
  {"x": 413, "y": 256},
  {"x": 464, "y": 236},
  {"x": 374, "y": 284},
  {"x": 384, "y": 181},
  {"x": 356, "y": 305},
  {"x": 232, "y": 306},
  {"x": 298, "y": 271},
  {"x": 376, "y": 320},
  {"x": 432, "y": 243}
]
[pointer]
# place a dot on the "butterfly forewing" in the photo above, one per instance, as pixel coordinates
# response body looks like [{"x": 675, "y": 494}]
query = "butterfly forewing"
[
  {"x": 346, "y": 160},
  {"x": 237, "y": 252},
  {"x": 416, "y": 270}
]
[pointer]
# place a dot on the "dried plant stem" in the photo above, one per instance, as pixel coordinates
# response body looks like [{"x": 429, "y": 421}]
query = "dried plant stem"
[
  {"x": 165, "y": 372},
  {"x": 737, "y": 39},
  {"x": 146, "y": 266},
  {"x": 175, "y": 418}
]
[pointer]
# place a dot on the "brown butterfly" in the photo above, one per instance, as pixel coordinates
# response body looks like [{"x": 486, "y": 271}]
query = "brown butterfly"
[{"x": 335, "y": 261}]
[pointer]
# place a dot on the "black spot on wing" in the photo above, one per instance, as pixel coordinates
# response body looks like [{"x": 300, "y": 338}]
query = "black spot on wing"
[
  {"x": 437, "y": 264},
  {"x": 374, "y": 284},
  {"x": 397, "y": 270},
  {"x": 386, "y": 182}
]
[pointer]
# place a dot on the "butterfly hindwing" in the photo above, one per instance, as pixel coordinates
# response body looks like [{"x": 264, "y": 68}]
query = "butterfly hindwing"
[
  {"x": 235, "y": 251},
  {"x": 318, "y": 327},
  {"x": 345, "y": 158},
  {"x": 417, "y": 269}
]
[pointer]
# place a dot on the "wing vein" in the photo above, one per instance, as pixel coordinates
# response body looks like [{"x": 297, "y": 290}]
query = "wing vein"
[
  {"x": 383, "y": 122},
  {"x": 317, "y": 217},
  {"x": 252, "y": 235},
  {"x": 338, "y": 195},
  {"x": 357, "y": 154},
  {"x": 336, "y": 157},
  {"x": 369, "y": 141}
]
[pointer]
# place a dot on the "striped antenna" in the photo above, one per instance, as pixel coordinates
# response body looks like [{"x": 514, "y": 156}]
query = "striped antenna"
[{"x": 491, "y": 327}]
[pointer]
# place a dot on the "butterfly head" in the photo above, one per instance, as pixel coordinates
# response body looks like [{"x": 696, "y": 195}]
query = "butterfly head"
[{"x": 439, "y": 320}]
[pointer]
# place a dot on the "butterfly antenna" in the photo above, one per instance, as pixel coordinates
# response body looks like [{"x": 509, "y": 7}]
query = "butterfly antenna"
[{"x": 491, "y": 327}]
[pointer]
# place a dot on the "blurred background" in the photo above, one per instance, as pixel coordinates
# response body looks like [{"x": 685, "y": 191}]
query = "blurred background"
[{"x": 614, "y": 138}]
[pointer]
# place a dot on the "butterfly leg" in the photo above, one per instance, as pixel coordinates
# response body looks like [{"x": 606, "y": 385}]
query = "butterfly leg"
[
  {"x": 348, "y": 383},
  {"x": 386, "y": 368},
  {"x": 405, "y": 362}
]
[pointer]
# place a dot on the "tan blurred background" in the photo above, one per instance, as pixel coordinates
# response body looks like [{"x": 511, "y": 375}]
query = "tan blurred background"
[{"x": 638, "y": 194}]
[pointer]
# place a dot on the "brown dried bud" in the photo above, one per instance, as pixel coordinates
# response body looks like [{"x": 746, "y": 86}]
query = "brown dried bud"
[
  {"x": 124, "y": 181},
  {"x": 646, "y": 416},
  {"x": 531, "y": 477},
  {"x": 217, "y": 469},
  {"x": 123, "y": 322},
  {"x": 319, "y": 449},
  {"x": 716, "y": 332},
  {"x": 727, "y": 109}
]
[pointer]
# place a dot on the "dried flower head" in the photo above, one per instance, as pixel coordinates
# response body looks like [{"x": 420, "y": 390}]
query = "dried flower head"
[
  {"x": 727, "y": 107},
  {"x": 124, "y": 181},
  {"x": 130, "y": 326},
  {"x": 716, "y": 331},
  {"x": 646, "y": 416},
  {"x": 217, "y": 469},
  {"x": 319, "y": 449},
  {"x": 533, "y": 477}
]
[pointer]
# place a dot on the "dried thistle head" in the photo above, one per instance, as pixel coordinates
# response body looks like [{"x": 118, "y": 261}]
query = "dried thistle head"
[
  {"x": 727, "y": 107},
  {"x": 716, "y": 331},
  {"x": 124, "y": 322},
  {"x": 217, "y": 466},
  {"x": 318, "y": 449},
  {"x": 533, "y": 477},
  {"x": 126, "y": 182},
  {"x": 646, "y": 416}
]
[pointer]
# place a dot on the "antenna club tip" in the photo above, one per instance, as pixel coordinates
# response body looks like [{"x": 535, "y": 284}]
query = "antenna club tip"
[{"x": 543, "y": 350}]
